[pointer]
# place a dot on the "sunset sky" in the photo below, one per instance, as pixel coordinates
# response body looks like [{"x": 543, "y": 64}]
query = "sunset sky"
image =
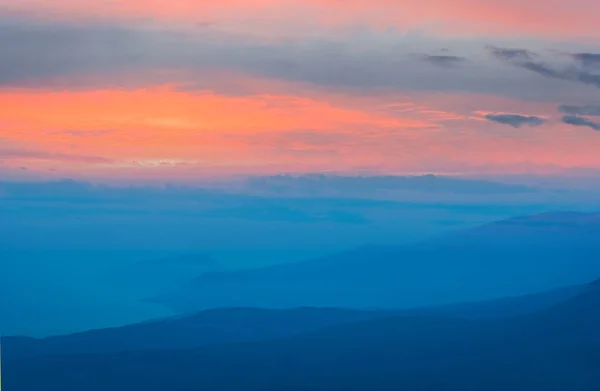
[{"x": 182, "y": 89}]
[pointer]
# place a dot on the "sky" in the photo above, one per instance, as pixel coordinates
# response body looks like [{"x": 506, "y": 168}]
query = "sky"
[{"x": 123, "y": 90}]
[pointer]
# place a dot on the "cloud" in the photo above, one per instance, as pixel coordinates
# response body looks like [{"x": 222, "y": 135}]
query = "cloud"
[
  {"x": 298, "y": 138},
  {"x": 13, "y": 153},
  {"x": 587, "y": 78},
  {"x": 83, "y": 133},
  {"x": 580, "y": 121},
  {"x": 515, "y": 120},
  {"x": 32, "y": 51},
  {"x": 443, "y": 61},
  {"x": 587, "y": 110},
  {"x": 544, "y": 70},
  {"x": 577, "y": 72},
  {"x": 509, "y": 54},
  {"x": 587, "y": 60},
  {"x": 312, "y": 138},
  {"x": 103, "y": 55}
]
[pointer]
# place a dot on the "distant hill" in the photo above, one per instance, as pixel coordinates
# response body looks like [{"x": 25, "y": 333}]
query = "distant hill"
[
  {"x": 554, "y": 349},
  {"x": 254, "y": 324},
  {"x": 492, "y": 261},
  {"x": 548, "y": 229},
  {"x": 320, "y": 184}
]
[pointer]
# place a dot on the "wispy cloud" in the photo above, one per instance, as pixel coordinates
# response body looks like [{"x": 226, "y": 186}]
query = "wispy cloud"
[
  {"x": 578, "y": 71},
  {"x": 83, "y": 133},
  {"x": 13, "y": 153}
]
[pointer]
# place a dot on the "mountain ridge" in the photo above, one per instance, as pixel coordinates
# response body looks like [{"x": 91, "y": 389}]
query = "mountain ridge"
[{"x": 489, "y": 261}]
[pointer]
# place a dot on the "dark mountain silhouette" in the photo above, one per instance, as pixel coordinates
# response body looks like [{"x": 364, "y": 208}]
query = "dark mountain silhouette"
[
  {"x": 207, "y": 327},
  {"x": 504, "y": 307},
  {"x": 557, "y": 348},
  {"x": 496, "y": 260}
]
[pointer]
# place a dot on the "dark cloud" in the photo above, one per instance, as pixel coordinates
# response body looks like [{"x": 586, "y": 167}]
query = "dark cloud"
[
  {"x": 543, "y": 70},
  {"x": 443, "y": 61},
  {"x": 509, "y": 54},
  {"x": 515, "y": 120},
  {"x": 587, "y": 60},
  {"x": 587, "y": 78},
  {"x": 578, "y": 72},
  {"x": 587, "y": 110},
  {"x": 569, "y": 74},
  {"x": 580, "y": 121}
]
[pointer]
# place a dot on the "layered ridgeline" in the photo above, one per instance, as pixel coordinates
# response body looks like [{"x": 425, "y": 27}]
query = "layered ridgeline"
[
  {"x": 512, "y": 257},
  {"x": 543, "y": 341},
  {"x": 555, "y": 348},
  {"x": 254, "y": 324}
]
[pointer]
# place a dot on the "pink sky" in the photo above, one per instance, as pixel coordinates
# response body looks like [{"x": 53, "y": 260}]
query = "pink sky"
[{"x": 555, "y": 18}]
